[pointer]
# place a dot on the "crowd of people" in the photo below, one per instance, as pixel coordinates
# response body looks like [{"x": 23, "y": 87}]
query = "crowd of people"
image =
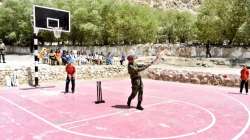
[{"x": 79, "y": 57}]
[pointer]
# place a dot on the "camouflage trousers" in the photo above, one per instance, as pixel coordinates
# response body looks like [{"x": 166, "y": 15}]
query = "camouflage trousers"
[{"x": 137, "y": 87}]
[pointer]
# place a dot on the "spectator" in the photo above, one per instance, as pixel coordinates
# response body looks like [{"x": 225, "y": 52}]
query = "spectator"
[
  {"x": 52, "y": 57},
  {"x": 64, "y": 57},
  {"x": 58, "y": 57},
  {"x": 42, "y": 54},
  {"x": 102, "y": 57},
  {"x": 91, "y": 58},
  {"x": 123, "y": 57},
  {"x": 72, "y": 57},
  {"x": 78, "y": 55},
  {"x": 208, "y": 54},
  {"x": 99, "y": 59},
  {"x": 109, "y": 59},
  {"x": 46, "y": 57},
  {"x": 83, "y": 59},
  {"x": 2, "y": 51}
]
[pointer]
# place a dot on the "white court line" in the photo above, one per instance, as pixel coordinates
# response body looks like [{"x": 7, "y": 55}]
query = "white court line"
[
  {"x": 50, "y": 123},
  {"x": 110, "y": 114},
  {"x": 84, "y": 134},
  {"x": 76, "y": 126},
  {"x": 115, "y": 138},
  {"x": 245, "y": 128},
  {"x": 120, "y": 112},
  {"x": 209, "y": 112},
  {"x": 198, "y": 106},
  {"x": 42, "y": 93},
  {"x": 92, "y": 118}
]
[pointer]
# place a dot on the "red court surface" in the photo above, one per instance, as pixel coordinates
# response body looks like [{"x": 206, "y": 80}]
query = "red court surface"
[{"x": 172, "y": 111}]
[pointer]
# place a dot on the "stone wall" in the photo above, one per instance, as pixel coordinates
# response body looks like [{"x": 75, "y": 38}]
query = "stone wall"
[
  {"x": 183, "y": 76},
  {"x": 179, "y": 50},
  {"x": 53, "y": 73}
]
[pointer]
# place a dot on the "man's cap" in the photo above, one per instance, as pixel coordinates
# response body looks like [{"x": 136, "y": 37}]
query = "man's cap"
[{"x": 131, "y": 57}]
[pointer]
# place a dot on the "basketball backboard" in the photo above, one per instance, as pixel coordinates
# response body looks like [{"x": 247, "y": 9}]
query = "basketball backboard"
[{"x": 46, "y": 18}]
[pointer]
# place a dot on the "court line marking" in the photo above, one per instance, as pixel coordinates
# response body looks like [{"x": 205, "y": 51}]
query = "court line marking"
[
  {"x": 245, "y": 128},
  {"x": 198, "y": 106},
  {"x": 242, "y": 132},
  {"x": 247, "y": 124},
  {"x": 89, "y": 135},
  {"x": 110, "y": 114}
]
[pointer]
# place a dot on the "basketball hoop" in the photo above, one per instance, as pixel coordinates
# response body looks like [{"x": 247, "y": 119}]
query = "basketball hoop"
[{"x": 57, "y": 32}]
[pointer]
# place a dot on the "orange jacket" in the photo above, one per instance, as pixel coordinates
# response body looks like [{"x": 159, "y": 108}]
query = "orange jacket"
[
  {"x": 244, "y": 74},
  {"x": 70, "y": 69}
]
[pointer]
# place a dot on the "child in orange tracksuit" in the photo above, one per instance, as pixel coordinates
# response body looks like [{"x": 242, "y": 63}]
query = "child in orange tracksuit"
[
  {"x": 70, "y": 69},
  {"x": 244, "y": 75}
]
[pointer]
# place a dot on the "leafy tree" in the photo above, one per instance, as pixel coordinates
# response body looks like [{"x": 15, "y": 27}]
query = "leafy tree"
[
  {"x": 209, "y": 24},
  {"x": 15, "y": 21},
  {"x": 183, "y": 26},
  {"x": 176, "y": 25},
  {"x": 221, "y": 20}
]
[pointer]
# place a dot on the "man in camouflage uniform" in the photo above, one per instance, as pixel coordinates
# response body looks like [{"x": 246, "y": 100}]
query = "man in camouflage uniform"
[
  {"x": 2, "y": 51},
  {"x": 136, "y": 81}
]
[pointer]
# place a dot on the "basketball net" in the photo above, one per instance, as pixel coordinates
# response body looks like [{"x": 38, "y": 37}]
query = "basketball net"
[{"x": 57, "y": 32}]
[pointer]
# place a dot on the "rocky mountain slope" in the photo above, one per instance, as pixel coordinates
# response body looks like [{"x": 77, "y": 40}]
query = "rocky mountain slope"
[{"x": 166, "y": 4}]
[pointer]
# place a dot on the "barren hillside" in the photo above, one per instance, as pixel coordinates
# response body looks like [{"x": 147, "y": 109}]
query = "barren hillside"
[{"x": 165, "y": 4}]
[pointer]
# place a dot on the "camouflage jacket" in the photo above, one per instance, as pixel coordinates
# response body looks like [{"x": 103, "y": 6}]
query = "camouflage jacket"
[{"x": 135, "y": 69}]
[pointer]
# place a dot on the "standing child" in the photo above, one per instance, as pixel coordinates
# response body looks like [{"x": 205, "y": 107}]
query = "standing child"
[
  {"x": 70, "y": 69},
  {"x": 244, "y": 75}
]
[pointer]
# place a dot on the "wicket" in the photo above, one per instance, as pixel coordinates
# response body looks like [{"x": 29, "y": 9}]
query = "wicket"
[{"x": 99, "y": 93}]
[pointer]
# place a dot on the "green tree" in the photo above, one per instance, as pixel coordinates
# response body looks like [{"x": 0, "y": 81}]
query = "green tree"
[
  {"x": 209, "y": 24},
  {"x": 221, "y": 20},
  {"x": 176, "y": 25},
  {"x": 166, "y": 27},
  {"x": 15, "y": 21},
  {"x": 183, "y": 26}
]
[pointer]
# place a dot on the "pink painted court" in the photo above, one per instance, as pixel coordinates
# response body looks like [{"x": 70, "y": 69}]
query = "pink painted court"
[{"x": 171, "y": 111}]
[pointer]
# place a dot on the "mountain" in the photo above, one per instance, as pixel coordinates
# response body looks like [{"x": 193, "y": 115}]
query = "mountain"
[{"x": 166, "y": 4}]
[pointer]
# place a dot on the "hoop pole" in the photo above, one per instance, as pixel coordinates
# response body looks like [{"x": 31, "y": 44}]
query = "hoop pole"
[{"x": 36, "y": 57}]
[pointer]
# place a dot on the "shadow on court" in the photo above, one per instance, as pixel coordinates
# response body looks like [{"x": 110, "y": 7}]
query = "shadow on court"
[
  {"x": 122, "y": 107},
  {"x": 31, "y": 88},
  {"x": 233, "y": 93}
]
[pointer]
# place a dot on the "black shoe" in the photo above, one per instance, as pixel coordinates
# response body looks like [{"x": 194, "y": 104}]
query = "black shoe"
[
  {"x": 4, "y": 62},
  {"x": 139, "y": 108},
  {"x": 129, "y": 103},
  {"x": 66, "y": 92},
  {"x": 73, "y": 92}
]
